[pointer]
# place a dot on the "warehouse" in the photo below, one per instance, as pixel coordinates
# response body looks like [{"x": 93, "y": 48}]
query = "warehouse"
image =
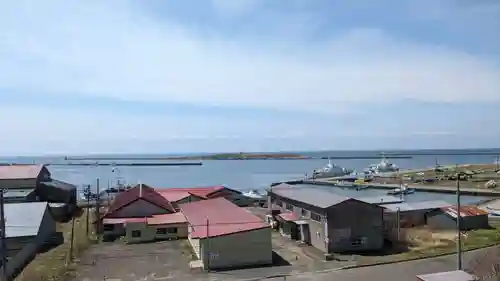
[
  {"x": 327, "y": 221},
  {"x": 224, "y": 235},
  {"x": 29, "y": 226},
  {"x": 412, "y": 214},
  {"x": 446, "y": 218}
]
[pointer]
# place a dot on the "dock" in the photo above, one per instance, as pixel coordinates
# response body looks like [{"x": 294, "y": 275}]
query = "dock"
[{"x": 422, "y": 188}]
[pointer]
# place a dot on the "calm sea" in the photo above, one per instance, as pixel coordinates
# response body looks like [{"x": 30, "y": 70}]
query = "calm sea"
[{"x": 253, "y": 174}]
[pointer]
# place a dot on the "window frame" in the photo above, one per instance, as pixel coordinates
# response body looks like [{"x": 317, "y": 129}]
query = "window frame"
[{"x": 133, "y": 232}]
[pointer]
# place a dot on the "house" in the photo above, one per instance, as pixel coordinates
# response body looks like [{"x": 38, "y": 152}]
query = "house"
[
  {"x": 224, "y": 235},
  {"x": 141, "y": 214},
  {"x": 28, "y": 178},
  {"x": 471, "y": 217},
  {"x": 455, "y": 275},
  {"x": 327, "y": 221},
  {"x": 179, "y": 197},
  {"x": 29, "y": 226},
  {"x": 209, "y": 192}
]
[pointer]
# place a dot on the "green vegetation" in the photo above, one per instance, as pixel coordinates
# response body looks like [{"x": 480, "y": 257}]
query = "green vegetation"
[
  {"x": 241, "y": 156},
  {"x": 435, "y": 244},
  {"x": 56, "y": 264}
]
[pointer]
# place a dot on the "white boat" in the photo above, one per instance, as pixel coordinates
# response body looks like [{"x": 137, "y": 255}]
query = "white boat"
[
  {"x": 255, "y": 194},
  {"x": 330, "y": 171},
  {"x": 404, "y": 190}
]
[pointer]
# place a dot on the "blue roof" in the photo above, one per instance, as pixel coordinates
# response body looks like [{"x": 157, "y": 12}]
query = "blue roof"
[{"x": 23, "y": 219}]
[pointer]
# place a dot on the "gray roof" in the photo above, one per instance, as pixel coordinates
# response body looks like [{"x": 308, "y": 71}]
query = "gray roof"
[
  {"x": 23, "y": 219},
  {"x": 312, "y": 196},
  {"x": 414, "y": 206},
  {"x": 455, "y": 275},
  {"x": 16, "y": 193},
  {"x": 60, "y": 185},
  {"x": 381, "y": 200}
]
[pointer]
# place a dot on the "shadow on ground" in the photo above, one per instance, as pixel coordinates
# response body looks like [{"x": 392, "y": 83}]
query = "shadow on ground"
[{"x": 277, "y": 261}]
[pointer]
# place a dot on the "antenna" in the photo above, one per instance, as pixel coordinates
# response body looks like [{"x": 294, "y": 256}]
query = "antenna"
[{"x": 140, "y": 189}]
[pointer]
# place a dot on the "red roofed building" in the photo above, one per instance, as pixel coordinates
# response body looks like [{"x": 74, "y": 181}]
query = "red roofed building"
[
  {"x": 142, "y": 214},
  {"x": 208, "y": 192},
  {"x": 224, "y": 235},
  {"x": 139, "y": 201}
]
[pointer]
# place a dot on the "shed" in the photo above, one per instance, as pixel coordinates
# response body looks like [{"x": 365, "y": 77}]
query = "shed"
[
  {"x": 455, "y": 275},
  {"x": 28, "y": 227},
  {"x": 412, "y": 214},
  {"x": 471, "y": 217},
  {"x": 57, "y": 191},
  {"x": 224, "y": 235},
  {"x": 22, "y": 176}
]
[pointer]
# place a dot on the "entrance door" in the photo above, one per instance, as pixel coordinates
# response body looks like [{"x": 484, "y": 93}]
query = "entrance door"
[{"x": 306, "y": 233}]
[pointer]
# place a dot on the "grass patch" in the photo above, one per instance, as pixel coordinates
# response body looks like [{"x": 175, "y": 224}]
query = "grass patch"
[
  {"x": 55, "y": 264},
  {"x": 425, "y": 244}
]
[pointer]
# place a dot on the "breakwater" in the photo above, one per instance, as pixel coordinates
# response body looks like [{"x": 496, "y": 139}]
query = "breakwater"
[
  {"x": 366, "y": 157},
  {"x": 143, "y": 164}
]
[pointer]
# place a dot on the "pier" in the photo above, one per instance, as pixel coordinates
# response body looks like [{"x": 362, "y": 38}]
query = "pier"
[{"x": 423, "y": 188}]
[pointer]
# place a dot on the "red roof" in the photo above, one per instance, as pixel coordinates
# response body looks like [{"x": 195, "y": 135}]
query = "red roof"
[
  {"x": 465, "y": 211},
  {"x": 288, "y": 216},
  {"x": 167, "y": 219},
  {"x": 142, "y": 192},
  {"x": 122, "y": 220},
  {"x": 20, "y": 171},
  {"x": 223, "y": 218},
  {"x": 203, "y": 192},
  {"x": 174, "y": 196}
]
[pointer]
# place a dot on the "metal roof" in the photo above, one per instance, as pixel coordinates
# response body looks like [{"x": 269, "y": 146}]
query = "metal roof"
[
  {"x": 381, "y": 200},
  {"x": 223, "y": 218},
  {"x": 174, "y": 218},
  {"x": 23, "y": 219},
  {"x": 455, "y": 275},
  {"x": 415, "y": 206},
  {"x": 11, "y": 172},
  {"x": 465, "y": 211},
  {"x": 312, "y": 196},
  {"x": 17, "y": 193},
  {"x": 59, "y": 184}
]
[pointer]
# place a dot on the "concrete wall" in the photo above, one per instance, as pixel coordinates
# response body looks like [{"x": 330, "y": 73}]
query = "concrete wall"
[
  {"x": 352, "y": 221},
  {"x": 195, "y": 244},
  {"x": 147, "y": 234},
  {"x": 237, "y": 250},
  {"x": 139, "y": 208},
  {"x": 182, "y": 231}
]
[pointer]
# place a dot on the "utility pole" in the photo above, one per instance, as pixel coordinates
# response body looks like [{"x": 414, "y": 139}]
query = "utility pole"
[
  {"x": 208, "y": 248},
  {"x": 88, "y": 211},
  {"x": 498, "y": 163},
  {"x": 3, "y": 242},
  {"x": 98, "y": 208},
  {"x": 398, "y": 223},
  {"x": 459, "y": 218},
  {"x": 72, "y": 242}
]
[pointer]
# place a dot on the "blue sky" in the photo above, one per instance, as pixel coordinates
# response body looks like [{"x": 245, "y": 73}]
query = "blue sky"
[{"x": 248, "y": 75}]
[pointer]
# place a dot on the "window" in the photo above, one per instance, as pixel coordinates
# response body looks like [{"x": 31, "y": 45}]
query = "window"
[
  {"x": 136, "y": 233},
  {"x": 161, "y": 231},
  {"x": 304, "y": 213},
  {"x": 289, "y": 207},
  {"x": 279, "y": 203},
  {"x": 109, "y": 227},
  {"x": 358, "y": 242},
  {"x": 172, "y": 230},
  {"x": 315, "y": 217}
]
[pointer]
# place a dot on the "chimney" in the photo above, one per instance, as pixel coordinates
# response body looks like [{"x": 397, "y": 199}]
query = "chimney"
[{"x": 140, "y": 189}]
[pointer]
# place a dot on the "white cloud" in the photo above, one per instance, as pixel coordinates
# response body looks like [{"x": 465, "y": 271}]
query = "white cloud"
[{"x": 98, "y": 49}]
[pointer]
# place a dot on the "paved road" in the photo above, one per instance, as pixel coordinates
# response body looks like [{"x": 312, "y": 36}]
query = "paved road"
[{"x": 405, "y": 271}]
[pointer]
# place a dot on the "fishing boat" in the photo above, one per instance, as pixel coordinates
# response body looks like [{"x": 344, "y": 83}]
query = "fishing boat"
[{"x": 403, "y": 190}]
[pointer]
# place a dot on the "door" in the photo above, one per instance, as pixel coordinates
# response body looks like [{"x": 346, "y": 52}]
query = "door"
[{"x": 306, "y": 233}]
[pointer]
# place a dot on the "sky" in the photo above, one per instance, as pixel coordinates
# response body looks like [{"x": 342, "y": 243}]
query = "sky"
[{"x": 81, "y": 77}]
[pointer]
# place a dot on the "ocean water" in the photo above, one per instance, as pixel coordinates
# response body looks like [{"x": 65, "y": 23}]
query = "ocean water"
[{"x": 252, "y": 174}]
